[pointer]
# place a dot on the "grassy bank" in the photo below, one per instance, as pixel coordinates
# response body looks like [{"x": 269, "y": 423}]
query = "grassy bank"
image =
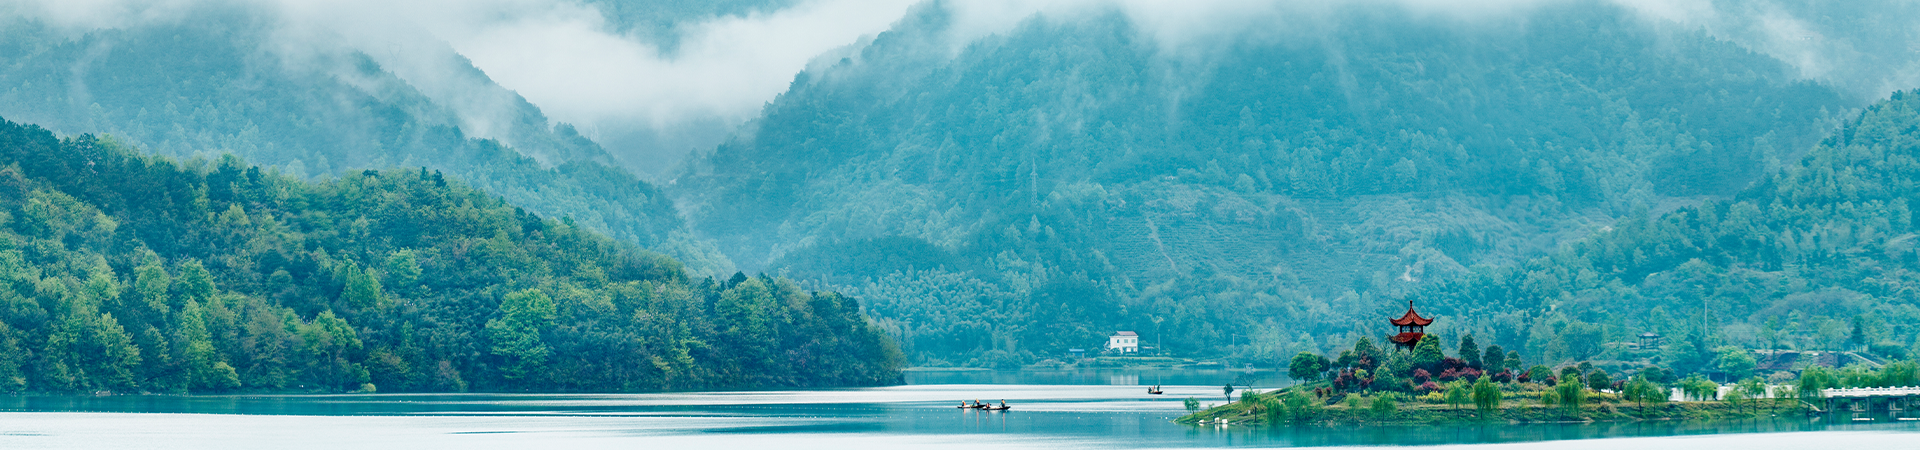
[{"x": 1263, "y": 409}]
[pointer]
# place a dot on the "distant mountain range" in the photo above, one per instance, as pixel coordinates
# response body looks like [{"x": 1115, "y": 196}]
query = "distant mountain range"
[
  {"x": 1072, "y": 176},
  {"x": 1246, "y": 190}
]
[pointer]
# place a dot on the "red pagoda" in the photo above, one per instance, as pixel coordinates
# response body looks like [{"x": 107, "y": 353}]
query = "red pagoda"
[{"x": 1412, "y": 328}]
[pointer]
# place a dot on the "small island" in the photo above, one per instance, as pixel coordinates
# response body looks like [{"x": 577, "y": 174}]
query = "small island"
[{"x": 1420, "y": 384}]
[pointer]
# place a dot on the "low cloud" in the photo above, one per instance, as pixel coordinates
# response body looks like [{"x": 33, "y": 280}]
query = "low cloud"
[{"x": 651, "y": 106}]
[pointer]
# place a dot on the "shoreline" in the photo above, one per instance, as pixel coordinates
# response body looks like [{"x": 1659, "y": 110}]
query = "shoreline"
[{"x": 1244, "y": 413}]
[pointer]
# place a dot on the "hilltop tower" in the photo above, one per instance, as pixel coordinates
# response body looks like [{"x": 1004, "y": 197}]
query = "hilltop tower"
[{"x": 1412, "y": 328}]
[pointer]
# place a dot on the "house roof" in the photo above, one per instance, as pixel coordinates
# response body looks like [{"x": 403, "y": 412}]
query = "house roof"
[
  {"x": 1125, "y": 333},
  {"x": 1412, "y": 319}
]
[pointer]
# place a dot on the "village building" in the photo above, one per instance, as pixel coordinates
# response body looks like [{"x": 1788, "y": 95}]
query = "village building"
[
  {"x": 1412, "y": 328},
  {"x": 1124, "y": 342}
]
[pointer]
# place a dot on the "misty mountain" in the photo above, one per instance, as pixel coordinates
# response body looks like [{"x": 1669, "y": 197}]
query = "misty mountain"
[
  {"x": 1819, "y": 256},
  {"x": 237, "y": 82},
  {"x": 1029, "y": 191}
]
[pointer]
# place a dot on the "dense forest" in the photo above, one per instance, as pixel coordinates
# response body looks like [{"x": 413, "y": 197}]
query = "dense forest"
[
  {"x": 995, "y": 196},
  {"x": 1001, "y": 201},
  {"x": 127, "y": 272},
  {"x": 1819, "y": 256},
  {"x": 239, "y": 85}
]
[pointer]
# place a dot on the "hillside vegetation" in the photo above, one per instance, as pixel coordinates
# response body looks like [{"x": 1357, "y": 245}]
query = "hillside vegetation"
[
  {"x": 1029, "y": 192},
  {"x": 1820, "y": 256},
  {"x": 126, "y": 272},
  {"x": 241, "y": 83}
]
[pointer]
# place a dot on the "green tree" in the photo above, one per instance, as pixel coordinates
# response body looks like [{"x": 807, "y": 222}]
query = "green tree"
[
  {"x": 1571, "y": 394},
  {"x": 13, "y": 359},
  {"x": 1641, "y": 391},
  {"x": 195, "y": 282},
  {"x": 1857, "y": 339},
  {"x": 363, "y": 289},
  {"x": 1458, "y": 394},
  {"x": 1383, "y": 406},
  {"x": 1736, "y": 362},
  {"x": 403, "y": 270},
  {"x": 1495, "y": 359},
  {"x": 1814, "y": 382},
  {"x": 516, "y": 334},
  {"x": 1486, "y": 395},
  {"x": 330, "y": 347},
  {"x": 1301, "y": 406},
  {"x": 1599, "y": 380},
  {"x": 1427, "y": 354},
  {"x": 1699, "y": 388},
  {"x": 1752, "y": 388},
  {"x": 1470, "y": 351},
  {"x": 1307, "y": 366},
  {"x": 1192, "y": 404},
  {"x": 207, "y": 369},
  {"x": 150, "y": 286},
  {"x": 1539, "y": 373}
]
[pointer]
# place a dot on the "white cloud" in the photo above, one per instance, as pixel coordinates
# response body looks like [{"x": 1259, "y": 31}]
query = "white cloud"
[{"x": 562, "y": 56}]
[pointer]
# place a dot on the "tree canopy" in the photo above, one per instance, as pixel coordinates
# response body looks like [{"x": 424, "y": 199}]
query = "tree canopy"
[{"x": 127, "y": 272}]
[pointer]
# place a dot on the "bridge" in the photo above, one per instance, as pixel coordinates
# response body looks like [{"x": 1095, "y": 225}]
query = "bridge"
[{"x": 1872, "y": 399}]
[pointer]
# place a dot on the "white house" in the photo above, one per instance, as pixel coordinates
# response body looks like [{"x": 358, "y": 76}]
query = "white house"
[{"x": 1123, "y": 342}]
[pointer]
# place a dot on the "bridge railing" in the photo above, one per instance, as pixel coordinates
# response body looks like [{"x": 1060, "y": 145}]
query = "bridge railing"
[{"x": 1871, "y": 392}]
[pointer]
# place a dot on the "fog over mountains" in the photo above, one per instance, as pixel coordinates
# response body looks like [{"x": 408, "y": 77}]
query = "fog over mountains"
[{"x": 999, "y": 181}]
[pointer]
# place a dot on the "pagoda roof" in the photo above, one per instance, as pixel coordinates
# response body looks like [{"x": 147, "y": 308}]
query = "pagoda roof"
[
  {"x": 1412, "y": 319},
  {"x": 1406, "y": 338}
]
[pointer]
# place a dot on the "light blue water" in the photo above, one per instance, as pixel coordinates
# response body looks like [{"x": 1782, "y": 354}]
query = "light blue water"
[{"x": 1089, "y": 415}]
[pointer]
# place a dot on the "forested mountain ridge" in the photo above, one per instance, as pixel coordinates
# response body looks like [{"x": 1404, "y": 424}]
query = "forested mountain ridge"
[
  {"x": 1037, "y": 188},
  {"x": 126, "y": 272},
  {"x": 1819, "y": 256},
  {"x": 234, "y": 85}
]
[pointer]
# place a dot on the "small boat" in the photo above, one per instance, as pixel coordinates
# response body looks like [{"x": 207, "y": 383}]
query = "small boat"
[
  {"x": 964, "y": 405},
  {"x": 1154, "y": 390},
  {"x": 978, "y": 405},
  {"x": 1003, "y": 407}
]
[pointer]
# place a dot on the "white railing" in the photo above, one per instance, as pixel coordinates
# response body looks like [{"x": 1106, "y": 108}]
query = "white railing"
[{"x": 1872, "y": 392}]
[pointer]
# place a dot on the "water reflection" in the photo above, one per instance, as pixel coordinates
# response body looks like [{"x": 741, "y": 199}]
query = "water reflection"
[
  {"x": 1090, "y": 414},
  {"x": 1264, "y": 379}
]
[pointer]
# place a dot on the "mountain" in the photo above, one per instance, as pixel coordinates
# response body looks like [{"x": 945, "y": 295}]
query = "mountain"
[
  {"x": 1010, "y": 197},
  {"x": 127, "y": 272},
  {"x": 1818, "y": 256},
  {"x": 235, "y": 80}
]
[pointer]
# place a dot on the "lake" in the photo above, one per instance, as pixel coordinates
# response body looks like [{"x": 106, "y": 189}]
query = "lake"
[{"x": 1051, "y": 409}]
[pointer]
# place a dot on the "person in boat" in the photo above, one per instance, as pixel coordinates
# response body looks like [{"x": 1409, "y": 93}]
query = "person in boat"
[{"x": 1003, "y": 403}]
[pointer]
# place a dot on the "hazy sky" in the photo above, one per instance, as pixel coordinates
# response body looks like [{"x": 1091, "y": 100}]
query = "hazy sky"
[{"x": 564, "y": 57}]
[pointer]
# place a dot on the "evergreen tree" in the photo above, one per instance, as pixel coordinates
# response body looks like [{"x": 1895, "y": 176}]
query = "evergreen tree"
[{"x": 1470, "y": 352}]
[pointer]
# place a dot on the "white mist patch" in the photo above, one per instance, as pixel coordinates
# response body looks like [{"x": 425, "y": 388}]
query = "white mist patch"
[
  {"x": 727, "y": 68},
  {"x": 651, "y": 106},
  {"x": 558, "y": 54}
]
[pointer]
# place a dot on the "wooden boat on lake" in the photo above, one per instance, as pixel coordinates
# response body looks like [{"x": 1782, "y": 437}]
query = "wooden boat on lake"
[{"x": 1154, "y": 390}]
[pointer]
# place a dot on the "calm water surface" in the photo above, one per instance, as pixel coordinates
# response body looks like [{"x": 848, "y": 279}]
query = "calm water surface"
[{"x": 1085, "y": 409}]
